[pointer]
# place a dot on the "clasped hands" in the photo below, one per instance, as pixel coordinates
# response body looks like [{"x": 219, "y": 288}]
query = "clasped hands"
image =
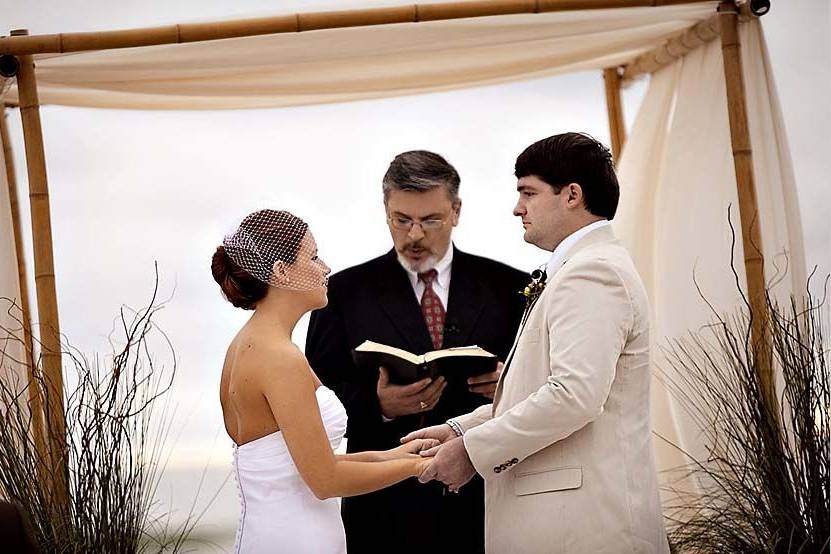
[{"x": 450, "y": 462}]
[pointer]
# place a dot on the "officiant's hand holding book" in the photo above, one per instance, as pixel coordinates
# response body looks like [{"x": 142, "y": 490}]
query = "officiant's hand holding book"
[{"x": 404, "y": 367}]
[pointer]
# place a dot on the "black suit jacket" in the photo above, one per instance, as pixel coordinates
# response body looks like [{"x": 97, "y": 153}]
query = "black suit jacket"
[{"x": 375, "y": 301}]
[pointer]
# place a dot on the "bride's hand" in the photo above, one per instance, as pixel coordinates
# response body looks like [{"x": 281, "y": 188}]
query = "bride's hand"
[
  {"x": 422, "y": 466},
  {"x": 410, "y": 449}
]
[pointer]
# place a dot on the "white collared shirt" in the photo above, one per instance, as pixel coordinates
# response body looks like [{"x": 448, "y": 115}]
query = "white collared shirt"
[
  {"x": 560, "y": 251},
  {"x": 441, "y": 284}
]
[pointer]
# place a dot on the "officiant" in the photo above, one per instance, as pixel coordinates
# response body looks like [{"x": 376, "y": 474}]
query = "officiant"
[{"x": 424, "y": 294}]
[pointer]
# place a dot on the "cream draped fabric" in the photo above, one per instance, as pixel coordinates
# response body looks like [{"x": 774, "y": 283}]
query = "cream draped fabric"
[
  {"x": 677, "y": 186},
  {"x": 339, "y": 65}
]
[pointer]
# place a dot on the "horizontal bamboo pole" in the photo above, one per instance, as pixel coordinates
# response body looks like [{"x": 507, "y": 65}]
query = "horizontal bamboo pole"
[
  {"x": 294, "y": 23},
  {"x": 673, "y": 49},
  {"x": 678, "y": 46}
]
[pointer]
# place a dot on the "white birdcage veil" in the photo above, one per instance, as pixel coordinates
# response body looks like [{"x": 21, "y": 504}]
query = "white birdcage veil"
[{"x": 277, "y": 248}]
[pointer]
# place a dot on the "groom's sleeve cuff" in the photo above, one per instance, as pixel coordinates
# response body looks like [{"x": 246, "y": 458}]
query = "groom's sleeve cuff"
[
  {"x": 476, "y": 459},
  {"x": 477, "y": 417},
  {"x": 489, "y": 457}
]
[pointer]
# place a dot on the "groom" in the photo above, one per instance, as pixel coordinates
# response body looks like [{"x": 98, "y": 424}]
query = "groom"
[{"x": 565, "y": 449}]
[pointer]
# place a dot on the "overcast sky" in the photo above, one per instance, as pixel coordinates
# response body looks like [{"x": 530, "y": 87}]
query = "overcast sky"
[{"x": 129, "y": 188}]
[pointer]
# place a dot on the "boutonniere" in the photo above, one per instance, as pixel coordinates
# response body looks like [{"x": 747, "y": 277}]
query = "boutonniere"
[{"x": 534, "y": 289}]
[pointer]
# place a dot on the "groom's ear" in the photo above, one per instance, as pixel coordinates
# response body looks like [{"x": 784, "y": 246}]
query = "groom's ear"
[{"x": 574, "y": 196}]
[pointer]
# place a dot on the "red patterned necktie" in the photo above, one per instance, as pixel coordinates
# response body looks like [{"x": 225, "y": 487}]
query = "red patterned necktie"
[{"x": 432, "y": 308}]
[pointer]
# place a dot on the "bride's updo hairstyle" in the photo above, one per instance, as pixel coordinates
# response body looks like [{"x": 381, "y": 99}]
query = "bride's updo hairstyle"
[{"x": 243, "y": 265}]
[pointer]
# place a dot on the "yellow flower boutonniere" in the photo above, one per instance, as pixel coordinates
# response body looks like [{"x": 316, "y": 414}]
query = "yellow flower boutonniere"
[{"x": 533, "y": 289}]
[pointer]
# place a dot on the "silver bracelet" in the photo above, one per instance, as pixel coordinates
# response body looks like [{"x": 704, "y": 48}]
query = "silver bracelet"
[{"x": 456, "y": 427}]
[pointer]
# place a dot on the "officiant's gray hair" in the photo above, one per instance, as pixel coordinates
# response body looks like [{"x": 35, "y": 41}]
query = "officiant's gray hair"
[{"x": 420, "y": 170}]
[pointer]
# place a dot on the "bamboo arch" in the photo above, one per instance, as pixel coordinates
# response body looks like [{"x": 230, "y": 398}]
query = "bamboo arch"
[{"x": 22, "y": 46}]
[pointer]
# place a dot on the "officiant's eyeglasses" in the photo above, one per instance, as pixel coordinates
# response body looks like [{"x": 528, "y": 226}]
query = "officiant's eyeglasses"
[{"x": 405, "y": 223}]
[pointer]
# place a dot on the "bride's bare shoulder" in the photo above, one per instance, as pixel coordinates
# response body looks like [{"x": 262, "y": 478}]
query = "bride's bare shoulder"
[{"x": 267, "y": 355}]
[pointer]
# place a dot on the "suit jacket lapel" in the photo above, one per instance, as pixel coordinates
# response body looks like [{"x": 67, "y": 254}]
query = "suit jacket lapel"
[
  {"x": 604, "y": 234},
  {"x": 501, "y": 382},
  {"x": 397, "y": 300},
  {"x": 464, "y": 303}
]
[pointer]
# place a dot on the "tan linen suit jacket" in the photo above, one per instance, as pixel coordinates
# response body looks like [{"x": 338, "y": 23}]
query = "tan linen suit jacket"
[{"x": 566, "y": 447}]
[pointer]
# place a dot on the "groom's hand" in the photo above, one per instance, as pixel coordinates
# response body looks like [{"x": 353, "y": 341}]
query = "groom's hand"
[
  {"x": 485, "y": 384},
  {"x": 441, "y": 433},
  {"x": 410, "y": 449},
  {"x": 400, "y": 400},
  {"x": 451, "y": 465}
]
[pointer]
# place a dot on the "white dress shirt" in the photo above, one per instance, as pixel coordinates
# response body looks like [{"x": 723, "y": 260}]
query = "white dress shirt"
[
  {"x": 557, "y": 256},
  {"x": 441, "y": 284}
]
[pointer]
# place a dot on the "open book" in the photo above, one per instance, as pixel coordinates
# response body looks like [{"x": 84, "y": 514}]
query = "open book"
[{"x": 405, "y": 367}]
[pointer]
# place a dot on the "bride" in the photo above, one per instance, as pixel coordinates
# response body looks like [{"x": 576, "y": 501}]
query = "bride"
[{"x": 284, "y": 423}]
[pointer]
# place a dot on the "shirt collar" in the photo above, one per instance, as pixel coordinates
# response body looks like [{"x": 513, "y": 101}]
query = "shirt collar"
[
  {"x": 562, "y": 249},
  {"x": 443, "y": 267}
]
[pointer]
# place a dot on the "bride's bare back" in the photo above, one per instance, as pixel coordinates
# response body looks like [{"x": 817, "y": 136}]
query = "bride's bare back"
[{"x": 245, "y": 408}]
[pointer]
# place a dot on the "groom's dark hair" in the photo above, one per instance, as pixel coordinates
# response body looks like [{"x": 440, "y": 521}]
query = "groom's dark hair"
[{"x": 574, "y": 158}]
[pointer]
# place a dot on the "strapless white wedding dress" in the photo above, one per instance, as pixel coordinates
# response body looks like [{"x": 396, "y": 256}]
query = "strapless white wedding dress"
[{"x": 279, "y": 512}]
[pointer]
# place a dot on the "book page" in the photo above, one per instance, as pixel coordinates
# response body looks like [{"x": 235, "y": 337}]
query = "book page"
[
  {"x": 369, "y": 346},
  {"x": 461, "y": 351}
]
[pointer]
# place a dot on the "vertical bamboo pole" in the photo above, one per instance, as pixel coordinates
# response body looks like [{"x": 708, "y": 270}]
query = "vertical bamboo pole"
[
  {"x": 614, "y": 107},
  {"x": 44, "y": 281},
  {"x": 748, "y": 205},
  {"x": 35, "y": 399}
]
